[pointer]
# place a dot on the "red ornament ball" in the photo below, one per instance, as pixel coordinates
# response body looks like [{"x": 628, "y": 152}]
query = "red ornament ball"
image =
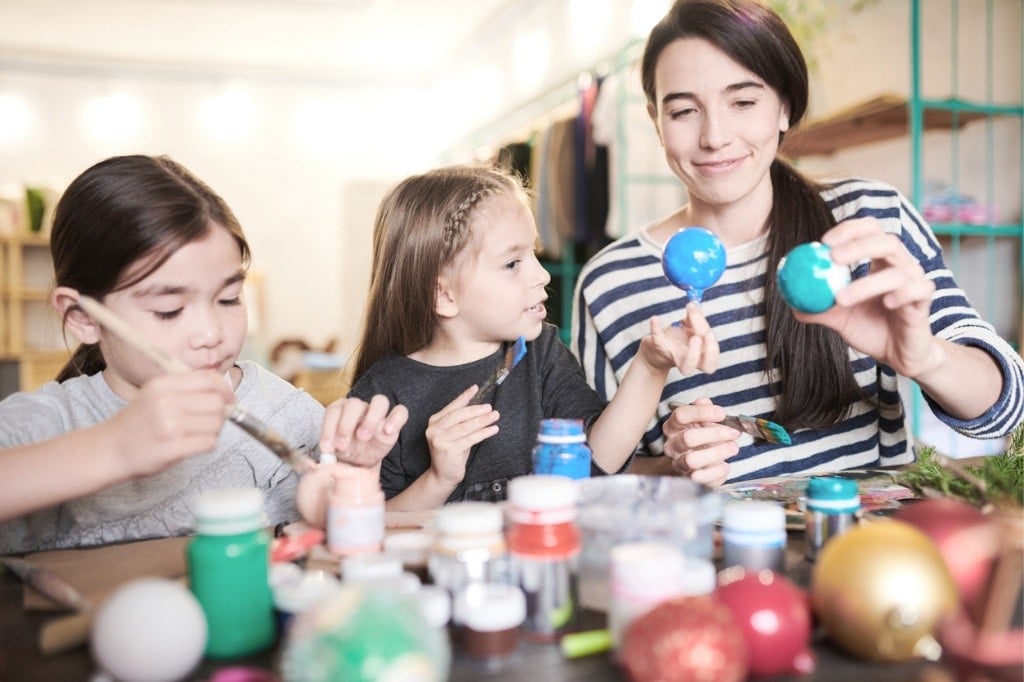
[
  {"x": 687, "y": 639},
  {"x": 775, "y": 618}
]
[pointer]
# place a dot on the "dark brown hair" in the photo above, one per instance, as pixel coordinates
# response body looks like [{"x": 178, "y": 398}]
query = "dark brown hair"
[
  {"x": 816, "y": 382},
  {"x": 422, "y": 225},
  {"x": 120, "y": 220}
]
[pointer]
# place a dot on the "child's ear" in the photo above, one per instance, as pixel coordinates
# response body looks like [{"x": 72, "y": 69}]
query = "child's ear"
[
  {"x": 65, "y": 302},
  {"x": 445, "y": 303}
]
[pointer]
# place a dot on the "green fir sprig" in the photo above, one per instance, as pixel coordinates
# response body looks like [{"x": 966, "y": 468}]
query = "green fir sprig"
[{"x": 998, "y": 479}]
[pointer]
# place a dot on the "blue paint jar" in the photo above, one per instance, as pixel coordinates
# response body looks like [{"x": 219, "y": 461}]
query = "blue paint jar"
[{"x": 562, "y": 449}]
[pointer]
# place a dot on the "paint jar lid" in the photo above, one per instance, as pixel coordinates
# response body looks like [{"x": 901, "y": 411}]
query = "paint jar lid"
[
  {"x": 833, "y": 493},
  {"x": 561, "y": 431},
  {"x": 490, "y": 607},
  {"x": 553, "y": 496},
  {"x": 364, "y": 567},
  {"x": 229, "y": 511},
  {"x": 754, "y": 515},
  {"x": 411, "y": 547},
  {"x": 469, "y": 518},
  {"x": 436, "y": 603}
]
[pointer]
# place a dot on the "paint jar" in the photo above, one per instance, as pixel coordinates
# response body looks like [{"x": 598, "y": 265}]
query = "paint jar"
[
  {"x": 470, "y": 546},
  {"x": 562, "y": 449},
  {"x": 355, "y": 511},
  {"x": 296, "y": 591},
  {"x": 754, "y": 535},
  {"x": 228, "y": 567},
  {"x": 490, "y": 615},
  {"x": 645, "y": 574},
  {"x": 543, "y": 545},
  {"x": 630, "y": 508},
  {"x": 833, "y": 503},
  {"x": 413, "y": 549}
]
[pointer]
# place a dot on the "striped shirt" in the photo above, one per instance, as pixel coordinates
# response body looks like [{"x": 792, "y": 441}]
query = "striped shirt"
[{"x": 621, "y": 287}]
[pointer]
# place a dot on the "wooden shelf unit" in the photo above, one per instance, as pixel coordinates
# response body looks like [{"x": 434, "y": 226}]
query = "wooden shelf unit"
[{"x": 30, "y": 333}]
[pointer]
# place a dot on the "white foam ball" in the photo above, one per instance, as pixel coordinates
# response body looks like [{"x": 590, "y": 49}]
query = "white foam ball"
[{"x": 149, "y": 630}]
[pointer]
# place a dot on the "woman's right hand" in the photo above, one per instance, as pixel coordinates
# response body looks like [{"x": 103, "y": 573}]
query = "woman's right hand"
[
  {"x": 452, "y": 433},
  {"x": 698, "y": 444},
  {"x": 173, "y": 416}
]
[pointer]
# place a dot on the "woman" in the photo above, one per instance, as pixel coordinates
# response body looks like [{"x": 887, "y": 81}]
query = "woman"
[{"x": 724, "y": 81}]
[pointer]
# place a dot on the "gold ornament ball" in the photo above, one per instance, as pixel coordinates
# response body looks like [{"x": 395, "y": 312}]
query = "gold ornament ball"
[{"x": 881, "y": 589}]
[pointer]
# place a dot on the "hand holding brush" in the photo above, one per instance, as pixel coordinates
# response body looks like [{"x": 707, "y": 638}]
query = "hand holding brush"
[{"x": 234, "y": 412}]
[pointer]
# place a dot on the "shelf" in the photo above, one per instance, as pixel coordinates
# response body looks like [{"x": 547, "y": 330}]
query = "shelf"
[
  {"x": 880, "y": 118},
  {"x": 963, "y": 230}
]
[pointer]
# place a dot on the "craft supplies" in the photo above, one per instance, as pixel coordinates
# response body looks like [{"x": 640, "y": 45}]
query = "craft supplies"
[
  {"x": 513, "y": 354},
  {"x": 833, "y": 503},
  {"x": 645, "y": 574},
  {"x": 490, "y": 615},
  {"x": 775, "y": 618},
  {"x": 228, "y": 567},
  {"x": 470, "y": 546},
  {"x": 693, "y": 259},
  {"x": 543, "y": 544},
  {"x": 881, "y": 589},
  {"x": 355, "y": 511},
  {"x": 149, "y": 630},
  {"x": 754, "y": 535},
  {"x": 562, "y": 449},
  {"x": 808, "y": 278},
  {"x": 629, "y": 508}
]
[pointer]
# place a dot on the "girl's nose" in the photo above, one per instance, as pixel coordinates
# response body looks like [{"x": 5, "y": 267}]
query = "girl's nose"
[
  {"x": 207, "y": 331},
  {"x": 543, "y": 277}
]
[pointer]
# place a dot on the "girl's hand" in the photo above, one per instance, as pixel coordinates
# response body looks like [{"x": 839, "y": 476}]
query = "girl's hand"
[
  {"x": 452, "y": 433},
  {"x": 688, "y": 345},
  {"x": 697, "y": 444},
  {"x": 885, "y": 314},
  {"x": 173, "y": 416},
  {"x": 361, "y": 433}
]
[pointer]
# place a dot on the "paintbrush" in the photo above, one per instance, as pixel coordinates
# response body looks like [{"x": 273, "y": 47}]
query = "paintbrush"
[
  {"x": 172, "y": 365},
  {"x": 513, "y": 355},
  {"x": 761, "y": 429}
]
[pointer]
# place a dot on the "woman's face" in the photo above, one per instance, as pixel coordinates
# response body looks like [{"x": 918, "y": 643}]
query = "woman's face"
[{"x": 718, "y": 123}]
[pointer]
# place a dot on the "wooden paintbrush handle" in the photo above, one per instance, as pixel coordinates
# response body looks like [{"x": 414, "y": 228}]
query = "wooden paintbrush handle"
[{"x": 66, "y": 632}]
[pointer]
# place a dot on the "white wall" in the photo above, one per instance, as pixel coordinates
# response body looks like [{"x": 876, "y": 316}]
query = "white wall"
[{"x": 291, "y": 199}]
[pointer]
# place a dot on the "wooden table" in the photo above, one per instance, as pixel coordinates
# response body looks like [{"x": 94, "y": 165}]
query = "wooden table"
[{"x": 20, "y": 659}]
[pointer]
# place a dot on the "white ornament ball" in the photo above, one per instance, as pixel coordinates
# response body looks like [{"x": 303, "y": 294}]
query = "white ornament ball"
[{"x": 149, "y": 630}]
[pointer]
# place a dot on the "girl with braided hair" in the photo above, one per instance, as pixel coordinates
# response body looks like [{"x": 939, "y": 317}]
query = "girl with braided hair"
[{"x": 454, "y": 280}]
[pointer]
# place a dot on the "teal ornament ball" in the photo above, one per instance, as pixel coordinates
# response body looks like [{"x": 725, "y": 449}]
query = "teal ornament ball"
[
  {"x": 693, "y": 260},
  {"x": 808, "y": 278}
]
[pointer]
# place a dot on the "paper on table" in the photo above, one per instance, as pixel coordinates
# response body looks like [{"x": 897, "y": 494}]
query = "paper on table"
[{"x": 97, "y": 571}]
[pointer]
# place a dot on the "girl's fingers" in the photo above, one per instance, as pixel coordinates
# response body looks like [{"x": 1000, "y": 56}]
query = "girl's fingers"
[{"x": 695, "y": 319}]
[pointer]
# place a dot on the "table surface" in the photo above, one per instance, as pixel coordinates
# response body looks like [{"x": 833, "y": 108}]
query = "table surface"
[{"x": 21, "y": 660}]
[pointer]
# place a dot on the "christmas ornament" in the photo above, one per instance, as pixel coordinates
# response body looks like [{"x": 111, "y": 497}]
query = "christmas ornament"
[
  {"x": 967, "y": 540},
  {"x": 693, "y": 260},
  {"x": 775, "y": 619},
  {"x": 880, "y": 590},
  {"x": 685, "y": 639},
  {"x": 808, "y": 278}
]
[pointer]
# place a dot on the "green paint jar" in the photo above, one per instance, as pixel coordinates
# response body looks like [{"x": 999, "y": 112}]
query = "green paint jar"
[{"x": 228, "y": 565}]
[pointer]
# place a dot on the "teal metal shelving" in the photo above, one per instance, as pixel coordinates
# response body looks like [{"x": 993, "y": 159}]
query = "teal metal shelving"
[{"x": 993, "y": 236}]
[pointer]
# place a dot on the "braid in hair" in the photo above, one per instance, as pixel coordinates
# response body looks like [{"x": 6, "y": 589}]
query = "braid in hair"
[{"x": 456, "y": 224}]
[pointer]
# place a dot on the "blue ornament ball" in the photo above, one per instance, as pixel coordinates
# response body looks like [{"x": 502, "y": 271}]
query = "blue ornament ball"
[
  {"x": 808, "y": 278},
  {"x": 693, "y": 260}
]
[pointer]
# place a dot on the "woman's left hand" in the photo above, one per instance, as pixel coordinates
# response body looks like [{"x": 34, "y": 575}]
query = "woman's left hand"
[{"x": 884, "y": 314}]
